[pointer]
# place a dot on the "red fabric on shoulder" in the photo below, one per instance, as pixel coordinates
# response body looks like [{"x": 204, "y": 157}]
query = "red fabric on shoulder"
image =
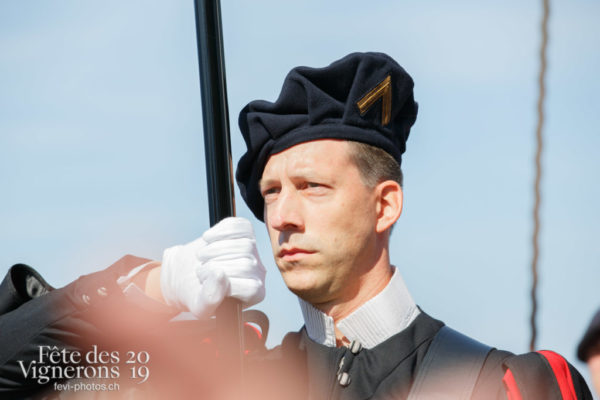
[
  {"x": 512, "y": 390},
  {"x": 561, "y": 372}
]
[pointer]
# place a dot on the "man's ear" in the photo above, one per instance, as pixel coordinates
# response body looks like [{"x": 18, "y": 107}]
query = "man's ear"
[{"x": 389, "y": 204}]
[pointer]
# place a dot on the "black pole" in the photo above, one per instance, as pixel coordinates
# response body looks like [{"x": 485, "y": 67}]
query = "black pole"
[{"x": 217, "y": 149}]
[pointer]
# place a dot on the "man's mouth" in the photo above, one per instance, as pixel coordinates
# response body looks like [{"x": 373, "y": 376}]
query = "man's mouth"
[{"x": 293, "y": 253}]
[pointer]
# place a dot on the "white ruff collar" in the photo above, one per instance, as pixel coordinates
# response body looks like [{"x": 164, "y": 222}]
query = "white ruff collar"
[{"x": 389, "y": 312}]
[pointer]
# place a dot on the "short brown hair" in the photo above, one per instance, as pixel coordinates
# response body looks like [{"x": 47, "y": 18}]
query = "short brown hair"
[{"x": 375, "y": 165}]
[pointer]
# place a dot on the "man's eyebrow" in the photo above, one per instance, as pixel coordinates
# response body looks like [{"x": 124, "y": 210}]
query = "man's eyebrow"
[
  {"x": 265, "y": 182},
  {"x": 301, "y": 173}
]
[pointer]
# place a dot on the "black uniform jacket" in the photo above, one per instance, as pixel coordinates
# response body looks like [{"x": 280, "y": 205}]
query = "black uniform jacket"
[{"x": 91, "y": 316}]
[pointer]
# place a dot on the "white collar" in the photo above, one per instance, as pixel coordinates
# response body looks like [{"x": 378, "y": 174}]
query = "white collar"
[{"x": 389, "y": 312}]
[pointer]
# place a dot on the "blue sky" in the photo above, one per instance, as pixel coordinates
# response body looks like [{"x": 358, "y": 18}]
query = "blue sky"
[{"x": 101, "y": 149}]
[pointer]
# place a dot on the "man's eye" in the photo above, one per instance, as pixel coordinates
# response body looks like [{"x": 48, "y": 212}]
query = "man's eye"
[
  {"x": 270, "y": 191},
  {"x": 313, "y": 186}
]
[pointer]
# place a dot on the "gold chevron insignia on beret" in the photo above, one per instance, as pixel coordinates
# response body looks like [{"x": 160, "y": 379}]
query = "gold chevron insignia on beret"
[{"x": 384, "y": 91}]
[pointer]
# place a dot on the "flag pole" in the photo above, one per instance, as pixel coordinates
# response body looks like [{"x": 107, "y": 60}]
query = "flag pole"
[{"x": 217, "y": 147}]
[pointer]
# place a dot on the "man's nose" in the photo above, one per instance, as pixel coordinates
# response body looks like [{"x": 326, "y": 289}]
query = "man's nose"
[{"x": 286, "y": 212}]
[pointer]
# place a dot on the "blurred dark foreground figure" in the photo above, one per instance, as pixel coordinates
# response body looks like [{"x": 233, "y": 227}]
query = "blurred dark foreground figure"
[
  {"x": 322, "y": 171},
  {"x": 588, "y": 350}
]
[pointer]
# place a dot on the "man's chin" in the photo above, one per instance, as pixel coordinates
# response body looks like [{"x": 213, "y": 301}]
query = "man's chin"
[{"x": 310, "y": 293}]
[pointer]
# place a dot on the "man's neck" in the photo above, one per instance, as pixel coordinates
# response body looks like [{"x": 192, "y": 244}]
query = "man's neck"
[
  {"x": 371, "y": 284},
  {"x": 376, "y": 284},
  {"x": 390, "y": 311}
]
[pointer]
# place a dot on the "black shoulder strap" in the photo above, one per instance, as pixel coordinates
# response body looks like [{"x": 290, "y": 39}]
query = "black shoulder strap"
[{"x": 450, "y": 367}]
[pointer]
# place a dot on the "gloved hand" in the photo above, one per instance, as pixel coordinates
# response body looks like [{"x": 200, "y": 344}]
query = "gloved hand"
[{"x": 222, "y": 263}]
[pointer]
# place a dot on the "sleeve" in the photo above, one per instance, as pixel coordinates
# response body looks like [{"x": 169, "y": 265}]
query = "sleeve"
[
  {"x": 90, "y": 311},
  {"x": 95, "y": 314},
  {"x": 543, "y": 375}
]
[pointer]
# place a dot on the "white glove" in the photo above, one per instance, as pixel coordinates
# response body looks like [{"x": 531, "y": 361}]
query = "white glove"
[{"x": 222, "y": 263}]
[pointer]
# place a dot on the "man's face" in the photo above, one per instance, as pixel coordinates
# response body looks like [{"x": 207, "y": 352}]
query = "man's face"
[{"x": 321, "y": 220}]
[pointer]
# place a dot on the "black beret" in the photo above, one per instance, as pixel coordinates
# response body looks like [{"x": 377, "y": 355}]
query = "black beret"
[{"x": 365, "y": 97}]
